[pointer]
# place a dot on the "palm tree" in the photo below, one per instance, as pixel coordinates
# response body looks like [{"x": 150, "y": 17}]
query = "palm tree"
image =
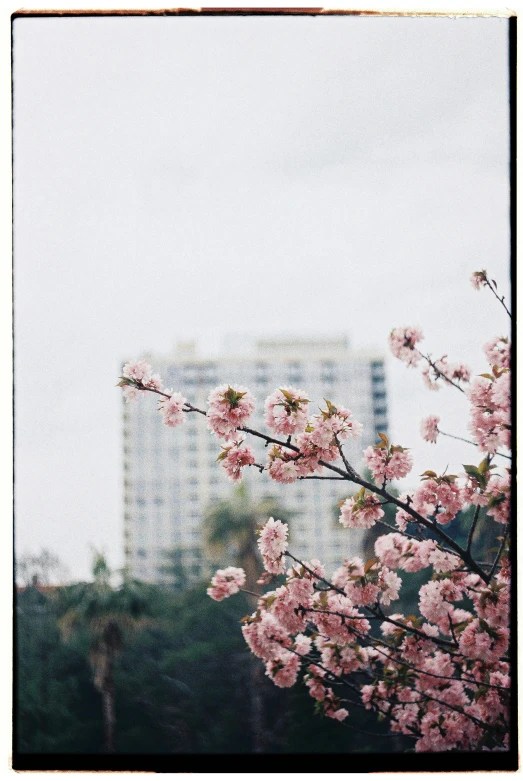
[
  {"x": 230, "y": 530},
  {"x": 105, "y": 614}
]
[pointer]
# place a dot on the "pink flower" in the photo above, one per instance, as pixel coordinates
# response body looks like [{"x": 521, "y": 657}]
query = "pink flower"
[
  {"x": 334, "y": 422},
  {"x": 402, "y": 342},
  {"x": 490, "y": 422},
  {"x": 137, "y": 370},
  {"x": 390, "y": 585},
  {"x": 498, "y": 352},
  {"x": 226, "y": 582},
  {"x": 443, "y": 495},
  {"x": 360, "y": 511},
  {"x": 172, "y": 409},
  {"x": 130, "y": 393},
  {"x": 436, "y": 599},
  {"x": 229, "y": 409},
  {"x": 286, "y": 411},
  {"x": 486, "y": 644},
  {"x": 445, "y": 371},
  {"x": 339, "y": 714},
  {"x": 396, "y": 551},
  {"x": 265, "y": 636},
  {"x": 388, "y": 464},
  {"x": 429, "y": 428},
  {"x": 234, "y": 458},
  {"x": 273, "y": 544},
  {"x": 302, "y": 644},
  {"x": 443, "y": 561},
  {"x": 499, "y": 498},
  {"x": 282, "y": 465},
  {"x": 283, "y": 670}
]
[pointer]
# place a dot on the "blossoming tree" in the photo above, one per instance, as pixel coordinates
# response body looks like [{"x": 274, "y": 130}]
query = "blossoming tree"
[{"x": 440, "y": 677}]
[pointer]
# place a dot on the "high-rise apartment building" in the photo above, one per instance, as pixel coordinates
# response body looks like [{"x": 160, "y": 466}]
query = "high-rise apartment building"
[{"x": 172, "y": 476}]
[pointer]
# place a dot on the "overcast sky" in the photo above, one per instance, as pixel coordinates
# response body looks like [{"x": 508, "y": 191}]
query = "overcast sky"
[{"x": 187, "y": 177}]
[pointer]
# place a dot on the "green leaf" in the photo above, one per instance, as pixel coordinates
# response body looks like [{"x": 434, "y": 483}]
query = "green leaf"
[{"x": 474, "y": 472}]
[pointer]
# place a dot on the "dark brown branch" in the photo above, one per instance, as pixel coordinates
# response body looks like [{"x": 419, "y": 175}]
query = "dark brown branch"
[
  {"x": 351, "y": 475},
  {"x": 472, "y": 528}
]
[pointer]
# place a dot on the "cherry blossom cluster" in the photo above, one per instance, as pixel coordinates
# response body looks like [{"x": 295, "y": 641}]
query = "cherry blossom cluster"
[
  {"x": 490, "y": 421},
  {"x": 429, "y": 428},
  {"x": 273, "y": 544},
  {"x": 403, "y": 341},
  {"x": 441, "y": 676},
  {"x": 138, "y": 373},
  {"x": 443, "y": 370},
  {"x": 361, "y": 511},
  {"x": 229, "y": 409},
  {"x": 226, "y": 582},
  {"x": 234, "y": 457},
  {"x": 386, "y": 461}
]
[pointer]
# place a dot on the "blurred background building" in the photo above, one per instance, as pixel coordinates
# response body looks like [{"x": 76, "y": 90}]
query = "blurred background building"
[{"x": 172, "y": 477}]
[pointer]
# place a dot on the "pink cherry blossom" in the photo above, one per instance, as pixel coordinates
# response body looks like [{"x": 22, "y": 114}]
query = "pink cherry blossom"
[
  {"x": 499, "y": 497},
  {"x": 172, "y": 409},
  {"x": 286, "y": 411},
  {"x": 302, "y": 644},
  {"x": 486, "y": 644},
  {"x": 360, "y": 512},
  {"x": 226, "y": 582},
  {"x": 386, "y": 465},
  {"x": 389, "y": 584},
  {"x": 273, "y": 544},
  {"x": 497, "y": 351},
  {"x": 283, "y": 670},
  {"x": 402, "y": 342},
  {"x": 282, "y": 465},
  {"x": 429, "y": 428},
  {"x": 229, "y": 409},
  {"x": 235, "y": 458},
  {"x": 442, "y": 371},
  {"x": 130, "y": 393},
  {"x": 137, "y": 370}
]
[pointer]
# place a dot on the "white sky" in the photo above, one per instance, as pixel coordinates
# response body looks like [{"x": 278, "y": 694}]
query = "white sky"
[{"x": 193, "y": 177}]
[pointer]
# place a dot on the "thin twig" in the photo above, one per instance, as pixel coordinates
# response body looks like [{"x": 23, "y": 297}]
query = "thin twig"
[
  {"x": 440, "y": 373},
  {"x": 500, "y": 551},
  {"x": 352, "y": 476},
  {"x": 501, "y": 300},
  {"x": 469, "y": 442}
]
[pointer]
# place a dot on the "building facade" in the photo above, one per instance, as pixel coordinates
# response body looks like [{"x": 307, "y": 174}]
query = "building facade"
[{"x": 171, "y": 476}]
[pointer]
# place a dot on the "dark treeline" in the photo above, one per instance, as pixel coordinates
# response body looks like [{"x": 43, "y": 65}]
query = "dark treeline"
[
  {"x": 157, "y": 670},
  {"x": 182, "y": 677}
]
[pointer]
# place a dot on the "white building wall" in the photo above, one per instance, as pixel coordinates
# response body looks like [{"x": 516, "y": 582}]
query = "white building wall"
[{"x": 172, "y": 477}]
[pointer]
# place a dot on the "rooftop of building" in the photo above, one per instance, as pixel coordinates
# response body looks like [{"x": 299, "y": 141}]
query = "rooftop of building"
[{"x": 274, "y": 349}]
